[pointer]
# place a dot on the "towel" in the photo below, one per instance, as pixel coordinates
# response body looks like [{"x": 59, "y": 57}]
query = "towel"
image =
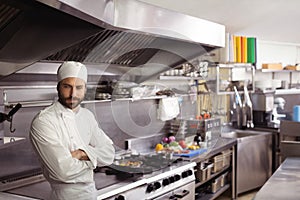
[{"x": 168, "y": 108}]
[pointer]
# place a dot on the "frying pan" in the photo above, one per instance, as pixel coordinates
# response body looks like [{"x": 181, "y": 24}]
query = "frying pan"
[{"x": 141, "y": 164}]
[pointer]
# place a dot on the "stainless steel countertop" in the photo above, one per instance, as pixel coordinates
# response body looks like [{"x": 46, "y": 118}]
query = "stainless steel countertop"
[
  {"x": 41, "y": 190},
  {"x": 6, "y": 196},
  {"x": 215, "y": 146},
  {"x": 284, "y": 183}
]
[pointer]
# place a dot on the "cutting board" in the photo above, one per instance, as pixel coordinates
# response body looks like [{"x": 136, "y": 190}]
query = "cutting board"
[{"x": 192, "y": 153}]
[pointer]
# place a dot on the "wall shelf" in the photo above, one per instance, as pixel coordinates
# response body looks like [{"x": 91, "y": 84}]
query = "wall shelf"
[
  {"x": 290, "y": 72},
  {"x": 8, "y": 141},
  {"x": 230, "y": 74},
  {"x": 181, "y": 78},
  {"x": 277, "y": 70}
]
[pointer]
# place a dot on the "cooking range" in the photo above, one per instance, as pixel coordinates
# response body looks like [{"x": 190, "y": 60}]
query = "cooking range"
[
  {"x": 131, "y": 177},
  {"x": 155, "y": 176}
]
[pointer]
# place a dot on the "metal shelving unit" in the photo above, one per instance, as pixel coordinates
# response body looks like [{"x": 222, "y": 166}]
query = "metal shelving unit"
[
  {"x": 229, "y": 73},
  {"x": 204, "y": 188},
  {"x": 290, "y": 72}
]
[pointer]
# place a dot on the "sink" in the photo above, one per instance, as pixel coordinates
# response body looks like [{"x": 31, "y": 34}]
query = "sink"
[
  {"x": 237, "y": 134},
  {"x": 243, "y": 134}
]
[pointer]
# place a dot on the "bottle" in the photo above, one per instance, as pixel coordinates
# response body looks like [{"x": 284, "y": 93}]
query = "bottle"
[{"x": 197, "y": 140}]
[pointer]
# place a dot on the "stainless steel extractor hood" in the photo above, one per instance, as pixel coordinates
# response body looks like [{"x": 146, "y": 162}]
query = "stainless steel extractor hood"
[{"x": 124, "y": 33}]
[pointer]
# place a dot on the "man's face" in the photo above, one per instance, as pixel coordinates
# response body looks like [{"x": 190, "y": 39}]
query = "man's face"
[{"x": 71, "y": 92}]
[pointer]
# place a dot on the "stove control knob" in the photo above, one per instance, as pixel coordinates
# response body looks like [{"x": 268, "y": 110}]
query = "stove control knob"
[
  {"x": 184, "y": 174},
  {"x": 150, "y": 188},
  {"x": 157, "y": 185},
  {"x": 177, "y": 177},
  {"x": 172, "y": 179},
  {"x": 120, "y": 197},
  {"x": 189, "y": 172},
  {"x": 165, "y": 182}
]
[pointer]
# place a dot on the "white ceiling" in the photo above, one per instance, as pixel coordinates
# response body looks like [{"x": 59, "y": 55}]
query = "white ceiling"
[{"x": 269, "y": 20}]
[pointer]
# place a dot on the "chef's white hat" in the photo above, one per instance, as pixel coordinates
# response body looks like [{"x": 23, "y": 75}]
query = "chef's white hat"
[{"x": 72, "y": 69}]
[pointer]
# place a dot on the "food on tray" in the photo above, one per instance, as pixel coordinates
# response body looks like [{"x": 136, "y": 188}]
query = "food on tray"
[
  {"x": 182, "y": 151},
  {"x": 182, "y": 144},
  {"x": 170, "y": 145},
  {"x": 159, "y": 147},
  {"x": 173, "y": 144},
  {"x": 129, "y": 163},
  {"x": 168, "y": 139},
  {"x": 194, "y": 147},
  {"x": 172, "y": 138},
  {"x": 165, "y": 140}
]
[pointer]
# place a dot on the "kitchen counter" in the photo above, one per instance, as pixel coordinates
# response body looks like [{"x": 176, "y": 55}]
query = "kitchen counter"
[
  {"x": 284, "y": 183},
  {"x": 6, "y": 196},
  {"x": 106, "y": 184},
  {"x": 41, "y": 190},
  {"x": 213, "y": 147}
]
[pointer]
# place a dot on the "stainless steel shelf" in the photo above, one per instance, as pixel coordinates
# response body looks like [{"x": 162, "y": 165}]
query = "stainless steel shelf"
[
  {"x": 214, "y": 195},
  {"x": 277, "y": 70},
  {"x": 8, "y": 141},
  {"x": 212, "y": 177},
  {"x": 247, "y": 67},
  {"x": 49, "y": 102},
  {"x": 183, "y": 78}
]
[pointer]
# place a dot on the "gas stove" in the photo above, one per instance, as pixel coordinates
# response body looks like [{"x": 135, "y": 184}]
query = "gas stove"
[{"x": 173, "y": 179}]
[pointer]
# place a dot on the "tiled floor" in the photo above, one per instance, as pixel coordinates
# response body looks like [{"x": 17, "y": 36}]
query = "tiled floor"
[{"x": 245, "y": 196}]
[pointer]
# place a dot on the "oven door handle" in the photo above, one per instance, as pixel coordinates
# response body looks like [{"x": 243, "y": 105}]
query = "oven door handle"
[{"x": 181, "y": 194}]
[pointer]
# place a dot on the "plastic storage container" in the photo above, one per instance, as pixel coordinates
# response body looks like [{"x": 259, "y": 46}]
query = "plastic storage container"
[{"x": 296, "y": 113}]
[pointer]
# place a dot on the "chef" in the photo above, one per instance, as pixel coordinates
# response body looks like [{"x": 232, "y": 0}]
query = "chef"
[{"x": 68, "y": 140}]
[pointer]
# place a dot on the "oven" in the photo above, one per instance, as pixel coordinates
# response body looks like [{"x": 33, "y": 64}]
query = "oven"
[{"x": 185, "y": 192}]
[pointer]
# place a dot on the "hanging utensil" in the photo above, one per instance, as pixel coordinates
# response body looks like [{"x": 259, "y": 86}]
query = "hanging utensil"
[{"x": 8, "y": 117}]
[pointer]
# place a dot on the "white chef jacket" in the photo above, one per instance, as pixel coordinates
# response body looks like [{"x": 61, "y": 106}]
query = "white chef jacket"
[{"x": 56, "y": 131}]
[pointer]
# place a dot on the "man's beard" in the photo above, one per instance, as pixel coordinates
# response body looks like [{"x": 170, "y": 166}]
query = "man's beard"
[{"x": 70, "y": 102}]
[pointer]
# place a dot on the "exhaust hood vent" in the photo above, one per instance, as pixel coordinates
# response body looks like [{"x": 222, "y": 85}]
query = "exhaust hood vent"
[
  {"x": 127, "y": 33},
  {"x": 110, "y": 47},
  {"x": 31, "y": 31},
  {"x": 127, "y": 49}
]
